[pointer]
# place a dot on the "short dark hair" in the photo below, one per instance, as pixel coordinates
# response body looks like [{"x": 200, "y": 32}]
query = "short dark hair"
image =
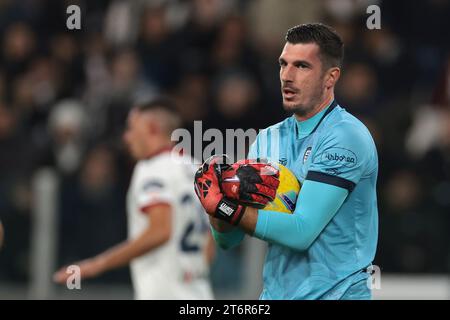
[
  {"x": 160, "y": 102},
  {"x": 167, "y": 110},
  {"x": 329, "y": 42}
]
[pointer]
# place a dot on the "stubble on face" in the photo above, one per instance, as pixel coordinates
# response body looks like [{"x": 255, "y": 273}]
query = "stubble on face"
[
  {"x": 301, "y": 78},
  {"x": 305, "y": 108}
]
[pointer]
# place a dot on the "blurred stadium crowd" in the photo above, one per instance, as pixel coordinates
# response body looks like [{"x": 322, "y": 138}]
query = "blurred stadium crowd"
[{"x": 64, "y": 97}]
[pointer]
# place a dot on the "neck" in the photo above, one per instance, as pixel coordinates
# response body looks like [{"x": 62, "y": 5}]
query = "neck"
[
  {"x": 319, "y": 107},
  {"x": 160, "y": 147}
]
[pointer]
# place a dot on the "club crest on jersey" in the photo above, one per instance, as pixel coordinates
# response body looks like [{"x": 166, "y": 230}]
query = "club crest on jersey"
[{"x": 307, "y": 153}]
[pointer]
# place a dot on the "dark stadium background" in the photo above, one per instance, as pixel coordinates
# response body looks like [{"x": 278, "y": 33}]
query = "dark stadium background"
[{"x": 64, "y": 97}]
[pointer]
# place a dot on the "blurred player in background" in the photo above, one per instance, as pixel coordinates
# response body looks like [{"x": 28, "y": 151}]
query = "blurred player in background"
[
  {"x": 323, "y": 249},
  {"x": 169, "y": 246}
]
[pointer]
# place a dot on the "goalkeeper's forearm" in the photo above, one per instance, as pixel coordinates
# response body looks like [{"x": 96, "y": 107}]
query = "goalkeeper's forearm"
[
  {"x": 224, "y": 234},
  {"x": 316, "y": 206}
]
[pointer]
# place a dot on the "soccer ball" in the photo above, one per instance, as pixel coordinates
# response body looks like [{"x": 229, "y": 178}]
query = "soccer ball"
[{"x": 287, "y": 192}]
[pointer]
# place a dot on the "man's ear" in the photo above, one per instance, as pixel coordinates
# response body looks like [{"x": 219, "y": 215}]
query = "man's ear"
[
  {"x": 153, "y": 127},
  {"x": 151, "y": 124},
  {"x": 332, "y": 77}
]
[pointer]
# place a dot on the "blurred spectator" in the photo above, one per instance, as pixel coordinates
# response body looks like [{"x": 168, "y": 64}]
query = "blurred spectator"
[
  {"x": 347, "y": 10},
  {"x": 235, "y": 100},
  {"x": 192, "y": 97},
  {"x": 435, "y": 163},
  {"x": 269, "y": 20},
  {"x": 18, "y": 46},
  {"x": 441, "y": 94},
  {"x": 98, "y": 83},
  {"x": 232, "y": 49},
  {"x": 235, "y": 106},
  {"x": 127, "y": 87},
  {"x": 92, "y": 211},
  {"x": 426, "y": 131},
  {"x": 420, "y": 244},
  {"x": 66, "y": 125},
  {"x": 67, "y": 55},
  {"x": 120, "y": 29},
  {"x": 15, "y": 198},
  {"x": 358, "y": 89},
  {"x": 158, "y": 48}
]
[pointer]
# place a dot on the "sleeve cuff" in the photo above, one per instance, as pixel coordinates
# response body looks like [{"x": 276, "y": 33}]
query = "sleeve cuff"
[
  {"x": 227, "y": 240},
  {"x": 330, "y": 179},
  {"x": 144, "y": 209}
]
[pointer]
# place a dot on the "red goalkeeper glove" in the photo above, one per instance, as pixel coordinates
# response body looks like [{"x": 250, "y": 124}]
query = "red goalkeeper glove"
[
  {"x": 251, "y": 182},
  {"x": 207, "y": 188}
]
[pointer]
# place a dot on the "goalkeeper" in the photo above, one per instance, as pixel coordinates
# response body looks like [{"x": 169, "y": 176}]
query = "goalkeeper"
[{"x": 324, "y": 249}]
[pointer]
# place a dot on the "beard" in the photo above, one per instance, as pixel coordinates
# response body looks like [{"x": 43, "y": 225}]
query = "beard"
[
  {"x": 305, "y": 103},
  {"x": 303, "y": 108},
  {"x": 298, "y": 109}
]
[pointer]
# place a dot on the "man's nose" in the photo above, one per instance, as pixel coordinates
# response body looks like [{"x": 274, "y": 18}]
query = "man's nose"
[{"x": 287, "y": 74}]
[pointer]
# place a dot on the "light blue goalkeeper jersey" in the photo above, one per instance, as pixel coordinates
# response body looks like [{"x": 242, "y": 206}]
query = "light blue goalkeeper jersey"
[{"x": 330, "y": 152}]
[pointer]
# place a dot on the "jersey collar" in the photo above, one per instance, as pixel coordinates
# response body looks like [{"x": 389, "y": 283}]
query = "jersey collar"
[
  {"x": 159, "y": 151},
  {"x": 306, "y": 127}
]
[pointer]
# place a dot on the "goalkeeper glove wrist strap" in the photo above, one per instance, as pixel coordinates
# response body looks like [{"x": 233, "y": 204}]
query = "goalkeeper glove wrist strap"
[{"x": 229, "y": 211}]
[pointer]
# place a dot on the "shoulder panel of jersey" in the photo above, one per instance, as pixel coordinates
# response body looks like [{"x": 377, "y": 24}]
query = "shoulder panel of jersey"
[
  {"x": 261, "y": 146},
  {"x": 154, "y": 181},
  {"x": 345, "y": 151}
]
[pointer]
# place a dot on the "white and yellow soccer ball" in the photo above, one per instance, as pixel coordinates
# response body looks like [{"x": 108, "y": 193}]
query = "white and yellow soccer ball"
[{"x": 287, "y": 192}]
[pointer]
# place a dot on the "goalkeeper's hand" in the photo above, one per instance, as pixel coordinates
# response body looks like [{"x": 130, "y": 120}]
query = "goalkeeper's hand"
[
  {"x": 250, "y": 182},
  {"x": 225, "y": 190},
  {"x": 207, "y": 188}
]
